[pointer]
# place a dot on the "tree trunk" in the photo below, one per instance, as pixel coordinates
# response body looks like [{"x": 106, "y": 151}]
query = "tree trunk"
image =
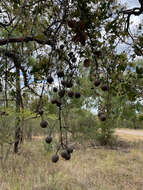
[
  {"x": 6, "y": 98},
  {"x": 18, "y": 95}
]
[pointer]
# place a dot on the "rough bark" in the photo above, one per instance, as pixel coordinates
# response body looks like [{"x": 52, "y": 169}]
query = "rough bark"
[{"x": 18, "y": 101}]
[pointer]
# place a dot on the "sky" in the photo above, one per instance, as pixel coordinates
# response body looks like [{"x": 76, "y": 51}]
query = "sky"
[
  {"x": 134, "y": 22},
  {"x": 131, "y": 4}
]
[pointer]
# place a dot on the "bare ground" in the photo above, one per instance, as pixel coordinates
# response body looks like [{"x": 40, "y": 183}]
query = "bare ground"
[{"x": 130, "y": 134}]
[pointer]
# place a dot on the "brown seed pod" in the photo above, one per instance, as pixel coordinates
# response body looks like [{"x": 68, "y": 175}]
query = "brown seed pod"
[
  {"x": 50, "y": 79},
  {"x": 102, "y": 117},
  {"x": 41, "y": 112},
  {"x": 73, "y": 60},
  {"x": 54, "y": 101},
  {"x": 65, "y": 155},
  {"x": 61, "y": 46},
  {"x": 43, "y": 124},
  {"x": 68, "y": 157},
  {"x": 60, "y": 74},
  {"x": 48, "y": 139},
  {"x": 70, "y": 54},
  {"x": 58, "y": 103},
  {"x": 55, "y": 158},
  {"x": 69, "y": 84},
  {"x": 86, "y": 63},
  {"x": 104, "y": 87},
  {"x": 83, "y": 37},
  {"x": 61, "y": 93},
  {"x": 55, "y": 89},
  {"x": 72, "y": 23},
  {"x": 69, "y": 149},
  {"x": 77, "y": 95},
  {"x": 100, "y": 113},
  {"x": 96, "y": 82},
  {"x": 70, "y": 94}
]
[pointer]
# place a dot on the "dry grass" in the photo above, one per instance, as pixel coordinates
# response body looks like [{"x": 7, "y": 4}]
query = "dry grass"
[{"x": 88, "y": 169}]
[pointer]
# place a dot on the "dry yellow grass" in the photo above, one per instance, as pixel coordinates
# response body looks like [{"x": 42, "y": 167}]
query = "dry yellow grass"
[{"x": 89, "y": 169}]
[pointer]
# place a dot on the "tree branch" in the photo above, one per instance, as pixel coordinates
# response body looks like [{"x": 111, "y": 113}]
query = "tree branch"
[
  {"x": 137, "y": 11},
  {"x": 141, "y": 3},
  {"x": 24, "y": 39},
  {"x": 7, "y": 24},
  {"x": 14, "y": 56}
]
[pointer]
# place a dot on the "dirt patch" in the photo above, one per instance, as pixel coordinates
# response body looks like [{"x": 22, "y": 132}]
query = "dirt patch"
[{"x": 130, "y": 134}]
